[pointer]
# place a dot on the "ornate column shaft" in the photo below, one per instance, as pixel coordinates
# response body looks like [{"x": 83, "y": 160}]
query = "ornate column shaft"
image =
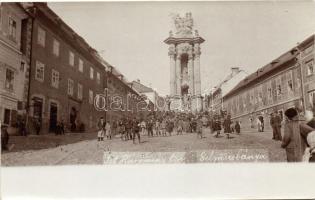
[
  {"x": 191, "y": 74},
  {"x": 178, "y": 74},
  {"x": 171, "y": 53},
  {"x": 197, "y": 82}
]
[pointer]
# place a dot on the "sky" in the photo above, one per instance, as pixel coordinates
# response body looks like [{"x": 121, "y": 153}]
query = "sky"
[{"x": 130, "y": 35}]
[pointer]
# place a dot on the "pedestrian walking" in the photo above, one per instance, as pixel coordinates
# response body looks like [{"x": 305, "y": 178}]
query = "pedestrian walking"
[
  {"x": 101, "y": 129},
  {"x": 136, "y": 131}
]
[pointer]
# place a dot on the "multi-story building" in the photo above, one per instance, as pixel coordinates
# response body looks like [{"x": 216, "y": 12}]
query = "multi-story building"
[
  {"x": 158, "y": 101},
  {"x": 65, "y": 74},
  {"x": 122, "y": 99},
  {"x": 213, "y": 101},
  {"x": 285, "y": 82},
  {"x": 15, "y": 32}
]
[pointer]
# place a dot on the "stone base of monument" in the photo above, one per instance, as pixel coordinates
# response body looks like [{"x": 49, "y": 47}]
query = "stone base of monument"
[
  {"x": 176, "y": 103},
  {"x": 196, "y": 103}
]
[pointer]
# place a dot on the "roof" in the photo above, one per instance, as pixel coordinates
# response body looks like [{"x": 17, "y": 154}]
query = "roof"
[
  {"x": 270, "y": 67},
  {"x": 140, "y": 87}
]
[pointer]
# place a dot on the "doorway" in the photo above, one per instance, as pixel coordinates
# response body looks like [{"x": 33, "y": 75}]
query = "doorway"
[{"x": 53, "y": 117}]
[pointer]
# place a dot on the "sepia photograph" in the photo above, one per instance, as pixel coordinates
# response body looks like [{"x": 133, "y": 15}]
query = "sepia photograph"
[{"x": 153, "y": 83}]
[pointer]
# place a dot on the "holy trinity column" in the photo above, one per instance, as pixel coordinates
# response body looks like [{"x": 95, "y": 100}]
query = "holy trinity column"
[{"x": 184, "y": 52}]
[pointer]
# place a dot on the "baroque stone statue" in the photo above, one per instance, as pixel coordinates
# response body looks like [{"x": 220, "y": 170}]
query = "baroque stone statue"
[{"x": 184, "y": 25}]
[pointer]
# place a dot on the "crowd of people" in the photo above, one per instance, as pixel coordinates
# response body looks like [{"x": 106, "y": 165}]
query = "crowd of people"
[
  {"x": 298, "y": 138},
  {"x": 167, "y": 124}
]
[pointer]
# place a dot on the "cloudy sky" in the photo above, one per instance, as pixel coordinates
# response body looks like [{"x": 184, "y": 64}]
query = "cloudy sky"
[{"x": 238, "y": 34}]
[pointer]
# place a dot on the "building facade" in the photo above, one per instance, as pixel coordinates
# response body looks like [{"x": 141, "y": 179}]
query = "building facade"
[
  {"x": 158, "y": 102},
  {"x": 15, "y": 31},
  {"x": 65, "y": 75},
  {"x": 184, "y": 52},
  {"x": 287, "y": 81},
  {"x": 213, "y": 100}
]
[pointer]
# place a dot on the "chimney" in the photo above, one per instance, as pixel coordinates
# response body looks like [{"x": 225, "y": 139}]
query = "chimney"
[{"x": 235, "y": 70}]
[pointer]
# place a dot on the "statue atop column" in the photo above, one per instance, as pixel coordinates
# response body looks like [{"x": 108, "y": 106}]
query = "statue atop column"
[{"x": 183, "y": 25}]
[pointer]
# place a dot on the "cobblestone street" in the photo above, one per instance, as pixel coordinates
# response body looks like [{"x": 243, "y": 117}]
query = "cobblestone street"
[{"x": 91, "y": 151}]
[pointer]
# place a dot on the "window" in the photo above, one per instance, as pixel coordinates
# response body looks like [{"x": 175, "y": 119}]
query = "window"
[
  {"x": 55, "y": 78},
  {"x": 311, "y": 96},
  {"x": 56, "y": 45},
  {"x": 80, "y": 65},
  {"x": 39, "y": 74},
  {"x": 290, "y": 86},
  {"x": 70, "y": 87},
  {"x": 9, "y": 79},
  {"x": 41, "y": 37},
  {"x": 71, "y": 58},
  {"x": 80, "y": 91},
  {"x": 91, "y": 73},
  {"x": 278, "y": 87},
  {"x": 279, "y": 92},
  {"x": 22, "y": 67},
  {"x": 98, "y": 77},
  {"x": 91, "y": 97},
  {"x": 12, "y": 29},
  {"x": 310, "y": 67}
]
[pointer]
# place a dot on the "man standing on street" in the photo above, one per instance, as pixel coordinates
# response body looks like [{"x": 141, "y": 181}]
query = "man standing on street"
[
  {"x": 275, "y": 122},
  {"x": 101, "y": 129},
  {"x": 136, "y": 130}
]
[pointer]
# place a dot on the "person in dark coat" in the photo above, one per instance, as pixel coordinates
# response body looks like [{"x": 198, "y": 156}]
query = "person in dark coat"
[
  {"x": 292, "y": 141},
  {"x": 217, "y": 127},
  {"x": 199, "y": 128},
  {"x": 227, "y": 126},
  {"x": 262, "y": 124},
  {"x": 275, "y": 122},
  {"x": 169, "y": 127},
  {"x": 129, "y": 126},
  {"x": 150, "y": 128},
  {"x": 237, "y": 127},
  {"x": 136, "y": 131},
  {"x": 37, "y": 125},
  {"x": 4, "y": 138}
]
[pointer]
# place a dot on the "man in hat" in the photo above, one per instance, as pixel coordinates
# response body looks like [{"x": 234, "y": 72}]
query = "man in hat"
[{"x": 292, "y": 140}]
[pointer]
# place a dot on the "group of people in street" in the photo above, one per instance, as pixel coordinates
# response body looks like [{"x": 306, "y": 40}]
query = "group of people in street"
[{"x": 166, "y": 124}]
